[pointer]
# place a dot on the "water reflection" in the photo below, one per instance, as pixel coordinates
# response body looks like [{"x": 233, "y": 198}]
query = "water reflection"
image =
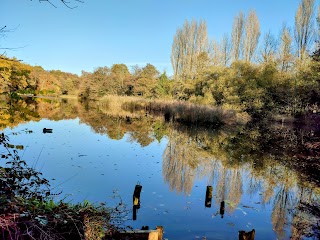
[
  {"x": 242, "y": 156},
  {"x": 273, "y": 164}
]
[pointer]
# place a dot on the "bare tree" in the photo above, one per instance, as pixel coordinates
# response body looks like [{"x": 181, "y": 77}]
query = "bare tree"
[
  {"x": 214, "y": 52},
  {"x": 220, "y": 53},
  {"x": 318, "y": 24},
  {"x": 191, "y": 36},
  {"x": 202, "y": 37},
  {"x": 251, "y": 36},
  {"x": 285, "y": 49},
  {"x": 225, "y": 47},
  {"x": 317, "y": 50},
  {"x": 268, "y": 48},
  {"x": 237, "y": 36},
  {"x": 188, "y": 43},
  {"x": 177, "y": 53},
  {"x": 304, "y": 27}
]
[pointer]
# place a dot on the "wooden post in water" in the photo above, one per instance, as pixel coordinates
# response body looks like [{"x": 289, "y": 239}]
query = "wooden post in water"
[
  {"x": 222, "y": 209},
  {"x": 47, "y": 130},
  {"x": 134, "y": 213},
  {"x": 208, "y": 197},
  {"x": 243, "y": 235},
  {"x": 136, "y": 201}
]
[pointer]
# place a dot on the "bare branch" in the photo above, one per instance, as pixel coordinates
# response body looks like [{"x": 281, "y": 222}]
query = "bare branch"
[
  {"x": 65, "y": 2},
  {"x": 6, "y": 30},
  {"x": 48, "y": 2},
  {"x": 3, "y": 31},
  {"x": 15, "y": 48}
]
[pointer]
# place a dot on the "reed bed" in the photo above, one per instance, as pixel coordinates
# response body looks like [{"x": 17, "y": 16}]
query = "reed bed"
[
  {"x": 179, "y": 111},
  {"x": 113, "y": 105}
]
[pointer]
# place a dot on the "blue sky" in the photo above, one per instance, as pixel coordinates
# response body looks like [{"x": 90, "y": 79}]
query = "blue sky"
[{"x": 104, "y": 32}]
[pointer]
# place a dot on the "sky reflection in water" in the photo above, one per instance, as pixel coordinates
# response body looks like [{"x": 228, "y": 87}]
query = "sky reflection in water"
[{"x": 174, "y": 173}]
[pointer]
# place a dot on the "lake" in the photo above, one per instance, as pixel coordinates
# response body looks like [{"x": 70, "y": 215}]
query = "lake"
[{"x": 258, "y": 173}]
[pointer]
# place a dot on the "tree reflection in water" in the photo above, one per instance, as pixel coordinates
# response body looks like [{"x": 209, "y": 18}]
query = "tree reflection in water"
[
  {"x": 278, "y": 163},
  {"x": 213, "y": 155}
]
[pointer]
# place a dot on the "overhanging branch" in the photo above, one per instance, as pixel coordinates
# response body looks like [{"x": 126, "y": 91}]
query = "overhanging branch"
[{"x": 65, "y": 2}]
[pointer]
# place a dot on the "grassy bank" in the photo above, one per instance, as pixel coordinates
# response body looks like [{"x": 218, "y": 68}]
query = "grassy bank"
[{"x": 35, "y": 219}]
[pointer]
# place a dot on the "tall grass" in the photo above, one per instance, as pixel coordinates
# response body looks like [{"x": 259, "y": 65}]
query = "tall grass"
[
  {"x": 113, "y": 105},
  {"x": 190, "y": 113},
  {"x": 185, "y": 112}
]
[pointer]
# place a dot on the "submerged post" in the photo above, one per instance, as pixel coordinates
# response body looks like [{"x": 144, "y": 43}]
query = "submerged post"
[
  {"x": 47, "y": 130},
  {"x": 222, "y": 209},
  {"x": 208, "y": 197},
  {"x": 243, "y": 235},
  {"x": 136, "y": 201}
]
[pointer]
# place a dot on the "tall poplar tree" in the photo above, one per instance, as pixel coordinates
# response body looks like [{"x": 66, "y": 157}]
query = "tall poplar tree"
[
  {"x": 304, "y": 27},
  {"x": 285, "y": 49},
  {"x": 251, "y": 36},
  {"x": 317, "y": 50},
  {"x": 237, "y": 36},
  {"x": 189, "y": 42}
]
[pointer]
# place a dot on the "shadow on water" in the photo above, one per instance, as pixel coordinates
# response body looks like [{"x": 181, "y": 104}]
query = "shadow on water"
[{"x": 278, "y": 163}]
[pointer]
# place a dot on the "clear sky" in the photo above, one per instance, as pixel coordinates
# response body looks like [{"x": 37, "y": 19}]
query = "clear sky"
[{"x": 104, "y": 32}]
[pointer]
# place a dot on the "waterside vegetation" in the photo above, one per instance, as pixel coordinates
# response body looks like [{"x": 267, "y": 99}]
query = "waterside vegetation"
[{"x": 28, "y": 209}]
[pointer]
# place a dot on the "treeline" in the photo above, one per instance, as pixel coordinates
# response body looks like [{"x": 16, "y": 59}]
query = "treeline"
[
  {"x": 277, "y": 75},
  {"x": 118, "y": 80},
  {"x": 20, "y": 78}
]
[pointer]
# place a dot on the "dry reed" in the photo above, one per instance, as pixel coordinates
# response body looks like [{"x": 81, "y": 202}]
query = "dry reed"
[{"x": 185, "y": 112}]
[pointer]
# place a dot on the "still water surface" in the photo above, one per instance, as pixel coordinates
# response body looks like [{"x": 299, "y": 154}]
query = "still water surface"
[{"x": 93, "y": 154}]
